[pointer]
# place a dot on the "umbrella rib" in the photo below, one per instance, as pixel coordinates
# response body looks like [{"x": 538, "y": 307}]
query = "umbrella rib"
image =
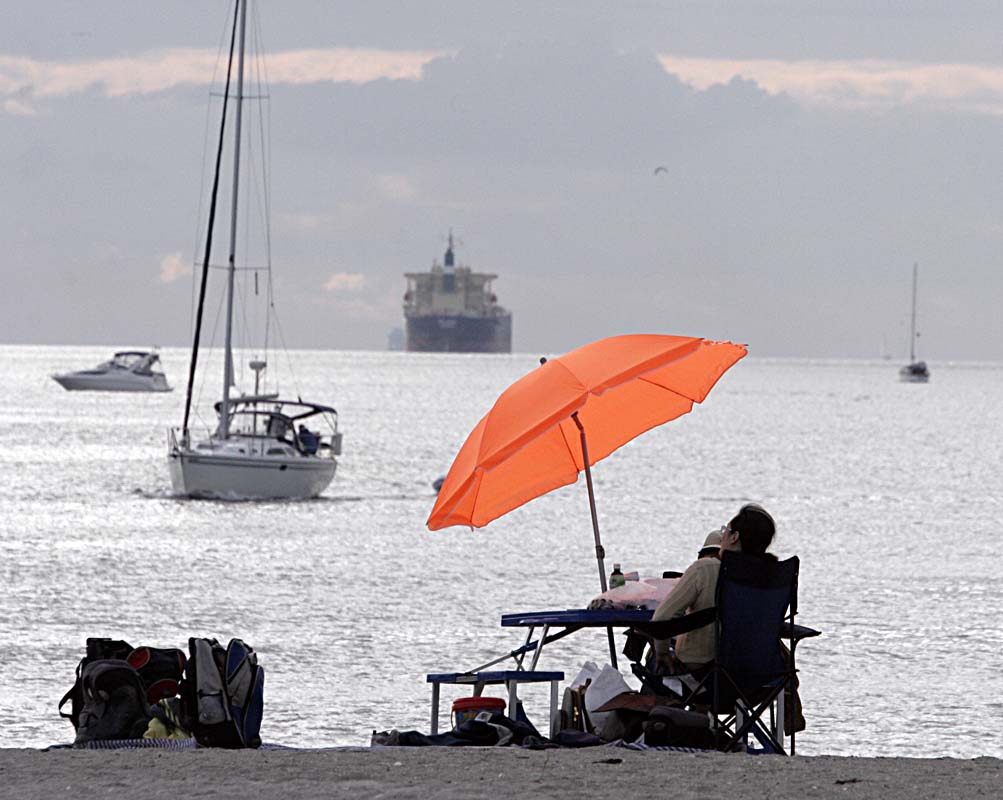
[
  {"x": 644, "y": 379},
  {"x": 694, "y": 345},
  {"x": 720, "y": 374},
  {"x": 567, "y": 444},
  {"x": 477, "y": 494}
]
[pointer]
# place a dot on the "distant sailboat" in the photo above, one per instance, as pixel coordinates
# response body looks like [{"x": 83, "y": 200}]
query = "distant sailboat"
[
  {"x": 260, "y": 448},
  {"x": 915, "y": 371}
]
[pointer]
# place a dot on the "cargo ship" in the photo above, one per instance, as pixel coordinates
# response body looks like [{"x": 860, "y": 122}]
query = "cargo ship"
[{"x": 452, "y": 309}]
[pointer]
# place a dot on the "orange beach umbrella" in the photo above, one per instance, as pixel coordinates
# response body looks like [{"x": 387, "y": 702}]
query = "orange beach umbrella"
[{"x": 571, "y": 412}]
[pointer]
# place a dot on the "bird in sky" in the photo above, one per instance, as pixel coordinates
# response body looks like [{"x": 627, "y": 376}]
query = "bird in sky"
[{"x": 661, "y": 169}]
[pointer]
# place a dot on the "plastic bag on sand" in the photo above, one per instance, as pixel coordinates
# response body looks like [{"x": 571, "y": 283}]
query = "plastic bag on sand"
[
  {"x": 646, "y": 593},
  {"x": 606, "y": 685}
]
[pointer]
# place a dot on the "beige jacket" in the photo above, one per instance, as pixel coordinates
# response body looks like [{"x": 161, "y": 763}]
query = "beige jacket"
[{"x": 694, "y": 592}]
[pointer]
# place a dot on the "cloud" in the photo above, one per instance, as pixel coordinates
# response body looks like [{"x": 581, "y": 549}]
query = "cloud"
[
  {"x": 172, "y": 267},
  {"x": 303, "y": 222},
  {"x": 345, "y": 282},
  {"x": 361, "y": 299},
  {"x": 18, "y": 108},
  {"x": 864, "y": 83},
  {"x": 396, "y": 187},
  {"x": 167, "y": 69}
]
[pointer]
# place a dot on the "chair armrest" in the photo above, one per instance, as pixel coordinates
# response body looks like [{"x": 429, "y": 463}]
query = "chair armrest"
[
  {"x": 668, "y": 628},
  {"x": 798, "y": 632}
]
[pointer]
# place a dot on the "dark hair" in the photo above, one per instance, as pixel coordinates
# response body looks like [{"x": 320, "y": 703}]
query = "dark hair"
[{"x": 755, "y": 529}]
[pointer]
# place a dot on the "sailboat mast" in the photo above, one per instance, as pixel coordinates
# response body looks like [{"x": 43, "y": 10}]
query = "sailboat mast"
[
  {"x": 208, "y": 237},
  {"x": 224, "y": 417},
  {"x": 912, "y": 326}
]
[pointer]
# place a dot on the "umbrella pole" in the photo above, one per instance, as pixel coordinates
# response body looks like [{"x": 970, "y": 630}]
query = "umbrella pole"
[{"x": 600, "y": 552}]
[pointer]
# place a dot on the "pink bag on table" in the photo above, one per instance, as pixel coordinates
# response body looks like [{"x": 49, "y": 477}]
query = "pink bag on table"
[{"x": 645, "y": 593}]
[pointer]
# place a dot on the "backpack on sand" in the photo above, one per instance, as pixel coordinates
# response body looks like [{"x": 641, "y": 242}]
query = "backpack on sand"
[
  {"x": 159, "y": 671},
  {"x": 97, "y": 649},
  {"x": 114, "y": 703},
  {"x": 223, "y": 694}
]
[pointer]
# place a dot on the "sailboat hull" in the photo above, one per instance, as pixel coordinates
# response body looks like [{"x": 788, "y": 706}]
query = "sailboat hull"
[
  {"x": 905, "y": 376},
  {"x": 229, "y": 477},
  {"x": 916, "y": 372}
]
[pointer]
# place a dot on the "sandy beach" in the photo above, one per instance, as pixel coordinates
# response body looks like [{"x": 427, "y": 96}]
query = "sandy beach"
[{"x": 483, "y": 772}]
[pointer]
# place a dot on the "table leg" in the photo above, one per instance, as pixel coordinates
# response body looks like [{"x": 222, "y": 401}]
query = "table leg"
[
  {"x": 435, "y": 709},
  {"x": 522, "y": 655},
  {"x": 512, "y": 699},
  {"x": 554, "y": 721},
  {"x": 539, "y": 648},
  {"x": 612, "y": 648}
]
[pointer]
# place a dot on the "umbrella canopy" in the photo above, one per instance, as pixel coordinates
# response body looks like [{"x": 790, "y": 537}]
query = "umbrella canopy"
[{"x": 530, "y": 443}]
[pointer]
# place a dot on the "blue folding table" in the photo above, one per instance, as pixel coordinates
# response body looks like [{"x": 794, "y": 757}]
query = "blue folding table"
[
  {"x": 574, "y": 619},
  {"x": 570, "y": 620}
]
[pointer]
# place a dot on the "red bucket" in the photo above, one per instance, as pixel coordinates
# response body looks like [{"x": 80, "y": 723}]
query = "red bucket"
[{"x": 469, "y": 707}]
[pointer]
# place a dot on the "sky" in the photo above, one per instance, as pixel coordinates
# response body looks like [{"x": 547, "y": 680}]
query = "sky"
[{"x": 766, "y": 172}]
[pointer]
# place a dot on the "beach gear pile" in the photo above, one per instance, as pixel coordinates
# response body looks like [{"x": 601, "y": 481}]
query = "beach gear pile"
[{"x": 211, "y": 697}]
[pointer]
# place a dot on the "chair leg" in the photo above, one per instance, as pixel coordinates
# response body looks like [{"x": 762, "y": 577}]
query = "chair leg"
[
  {"x": 750, "y": 720},
  {"x": 779, "y": 727}
]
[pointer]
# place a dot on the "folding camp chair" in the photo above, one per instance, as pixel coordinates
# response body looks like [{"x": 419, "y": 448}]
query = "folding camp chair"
[{"x": 750, "y": 674}]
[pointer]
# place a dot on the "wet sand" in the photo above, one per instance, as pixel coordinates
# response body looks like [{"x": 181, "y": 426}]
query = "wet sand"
[{"x": 483, "y": 772}]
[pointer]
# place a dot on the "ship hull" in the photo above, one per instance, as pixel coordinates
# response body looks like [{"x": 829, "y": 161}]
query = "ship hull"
[{"x": 442, "y": 333}]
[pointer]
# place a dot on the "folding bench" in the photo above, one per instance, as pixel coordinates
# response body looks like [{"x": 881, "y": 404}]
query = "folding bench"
[{"x": 511, "y": 679}]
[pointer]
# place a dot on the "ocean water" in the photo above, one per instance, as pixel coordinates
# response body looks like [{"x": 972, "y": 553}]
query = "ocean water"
[{"x": 889, "y": 493}]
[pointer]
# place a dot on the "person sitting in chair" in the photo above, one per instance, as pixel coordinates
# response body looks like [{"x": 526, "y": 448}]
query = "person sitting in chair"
[
  {"x": 750, "y": 531},
  {"x": 309, "y": 440}
]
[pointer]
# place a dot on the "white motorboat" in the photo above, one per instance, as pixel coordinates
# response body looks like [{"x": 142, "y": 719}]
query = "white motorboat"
[
  {"x": 127, "y": 371},
  {"x": 915, "y": 371},
  {"x": 261, "y": 447}
]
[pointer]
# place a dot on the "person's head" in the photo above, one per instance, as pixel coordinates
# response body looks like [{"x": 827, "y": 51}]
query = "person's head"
[
  {"x": 751, "y": 530},
  {"x": 711, "y": 545}
]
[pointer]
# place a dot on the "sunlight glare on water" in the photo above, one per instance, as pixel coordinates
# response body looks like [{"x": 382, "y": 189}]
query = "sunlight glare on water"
[{"x": 888, "y": 492}]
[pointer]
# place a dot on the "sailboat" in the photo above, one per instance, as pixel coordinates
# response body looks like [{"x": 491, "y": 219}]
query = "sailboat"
[
  {"x": 263, "y": 447},
  {"x": 915, "y": 371}
]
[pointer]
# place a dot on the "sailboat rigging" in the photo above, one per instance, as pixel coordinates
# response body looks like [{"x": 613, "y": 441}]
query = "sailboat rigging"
[
  {"x": 261, "y": 447},
  {"x": 915, "y": 371}
]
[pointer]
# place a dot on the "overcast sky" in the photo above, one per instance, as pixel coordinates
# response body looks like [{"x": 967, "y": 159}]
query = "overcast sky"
[{"x": 812, "y": 152}]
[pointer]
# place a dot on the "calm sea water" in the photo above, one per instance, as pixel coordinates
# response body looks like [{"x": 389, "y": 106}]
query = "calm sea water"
[{"x": 888, "y": 492}]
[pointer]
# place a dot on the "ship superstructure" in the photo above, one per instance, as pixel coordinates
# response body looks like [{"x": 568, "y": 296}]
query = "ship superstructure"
[{"x": 452, "y": 309}]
